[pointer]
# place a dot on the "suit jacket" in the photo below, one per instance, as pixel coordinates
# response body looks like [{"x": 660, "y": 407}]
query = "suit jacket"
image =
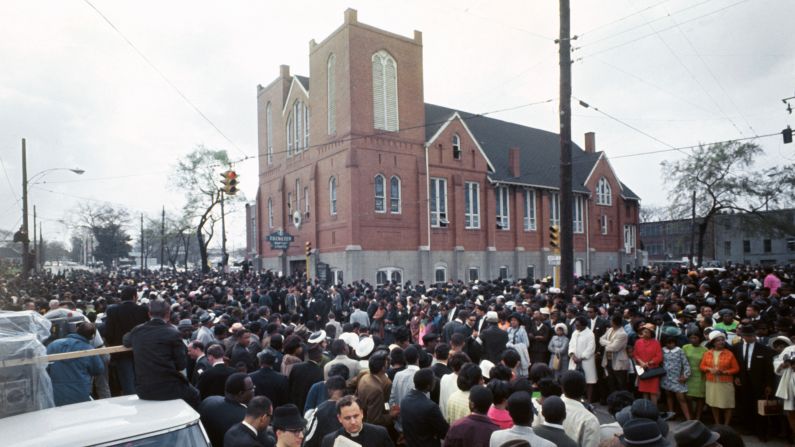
[
  {"x": 556, "y": 435},
  {"x": 422, "y": 420},
  {"x": 302, "y": 376},
  {"x": 494, "y": 340},
  {"x": 373, "y": 391},
  {"x": 614, "y": 342},
  {"x": 122, "y": 318},
  {"x": 240, "y": 436},
  {"x": 160, "y": 356},
  {"x": 533, "y": 331},
  {"x": 325, "y": 421},
  {"x": 218, "y": 415},
  {"x": 471, "y": 431},
  {"x": 599, "y": 327},
  {"x": 370, "y": 436},
  {"x": 200, "y": 366},
  {"x": 271, "y": 384},
  {"x": 241, "y": 354},
  {"x": 213, "y": 381},
  {"x": 761, "y": 373}
]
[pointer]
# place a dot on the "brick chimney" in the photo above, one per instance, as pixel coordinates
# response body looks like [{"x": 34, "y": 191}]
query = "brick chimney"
[
  {"x": 590, "y": 142},
  {"x": 513, "y": 161}
]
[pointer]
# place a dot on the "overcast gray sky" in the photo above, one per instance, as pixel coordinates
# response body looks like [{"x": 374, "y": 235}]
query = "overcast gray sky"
[{"x": 681, "y": 71}]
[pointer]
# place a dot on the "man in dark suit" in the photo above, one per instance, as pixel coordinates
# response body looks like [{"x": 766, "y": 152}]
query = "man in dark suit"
[
  {"x": 755, "y": 379},
  {"x": 120, "y": 319},
  {"x": 324, "y": 420},
  {"x": 270, "y": 383},
  {"x": 554, "y": 411},
  {"x": 354, "y": 428},
  {"x": 440, "y": 368},
  {"x": 303, "y": 375},
  {"x": 539, "y": 335},
  {"x": 160, "y": 357},
  {"x": 212, "y": 381},
  {"x": 241, "y": 352},
  {"x": 493, "y": 338},
  {"x": 245, "y": 434},
  {"x": 200, "y": 361},
  {"x": 218, "y": 414},
  {"x": 422, "y": 420}
]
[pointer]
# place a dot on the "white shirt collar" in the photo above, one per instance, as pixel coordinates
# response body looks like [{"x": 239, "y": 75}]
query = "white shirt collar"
[
  {"x": 251, "y": 427},
  {"x": 549, "y": 424}
]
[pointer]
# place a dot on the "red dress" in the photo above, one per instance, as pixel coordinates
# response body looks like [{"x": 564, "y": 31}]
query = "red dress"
[{"x": 649, "y": 351}]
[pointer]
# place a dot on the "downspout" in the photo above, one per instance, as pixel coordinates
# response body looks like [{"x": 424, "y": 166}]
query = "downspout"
[
  {"x": 587, "y": 237},
  {"x": 428, "y": 205}
]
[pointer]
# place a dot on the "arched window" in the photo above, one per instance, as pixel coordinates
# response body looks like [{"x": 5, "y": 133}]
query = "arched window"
[
  {"x": 440, "y": 273},
  {"x": 330, "y": 95},
  {"x": 290, "y": 135},
  {"x": 456, "y": 147},
  {"x": 380, "y": 188},
  {"x": 385, "y": 99},
  {"x": 604, "y": 194},
  {"x": 384, "y": 275},
  {"x": 298, "y": 129},
  {"x": 332, "y": 195},
  {"x": 269, "y": 132},
  {"x": 394, "y": 195},
  {"x": 270, "y": 213}
]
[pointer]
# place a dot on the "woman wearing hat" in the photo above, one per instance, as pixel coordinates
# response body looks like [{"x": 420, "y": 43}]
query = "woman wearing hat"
[
  {"x": 677, "y": 371},
  {"x": 648, "y": 354},
  {"x": 783, "y": 366},
  {"x": 696, "y": 387},
  {"x": 720, "y": 366},
  {"x": 559, "y": 349}
]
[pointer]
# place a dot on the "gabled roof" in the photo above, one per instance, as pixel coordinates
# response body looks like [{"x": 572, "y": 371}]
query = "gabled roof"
[
  {"x": 539, "y": 150},
  {"x": 304, "y": 82}
]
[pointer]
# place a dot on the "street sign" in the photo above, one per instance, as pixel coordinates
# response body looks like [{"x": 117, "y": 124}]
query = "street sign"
[
  {"x": 280, "y": 240},
  {"x": 553, "y": 259},
  {"x": 323, "y": 273}
]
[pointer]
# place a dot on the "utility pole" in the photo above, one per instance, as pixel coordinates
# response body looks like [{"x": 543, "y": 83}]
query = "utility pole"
[
  {"x": 224, "y": 256},
  {"x": 566, "y": 230},
  {"x": 162, "y": 236},
  {"x": 25, "y": 238},
  {"x": 692, "y": 231},
  {"x": 35, "y": 258},
  {"x": 142, "y": 242},
  {"x": 40, "y": 252}
]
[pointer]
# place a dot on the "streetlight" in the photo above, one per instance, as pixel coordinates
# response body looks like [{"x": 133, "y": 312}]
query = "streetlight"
[{"x": 23, "y": 232}]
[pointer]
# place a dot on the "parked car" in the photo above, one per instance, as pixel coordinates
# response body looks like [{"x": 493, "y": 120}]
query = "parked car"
[{"x": 119, "y": 421}]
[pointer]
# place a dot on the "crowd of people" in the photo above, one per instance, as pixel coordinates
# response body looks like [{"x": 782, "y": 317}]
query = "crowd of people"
[{"x": 268, "y": 359}]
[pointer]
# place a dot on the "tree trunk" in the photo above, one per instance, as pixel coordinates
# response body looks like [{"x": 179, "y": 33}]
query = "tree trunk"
[
  {"x": 702, "y": 230},
  {"x": 202, "y": 250}
]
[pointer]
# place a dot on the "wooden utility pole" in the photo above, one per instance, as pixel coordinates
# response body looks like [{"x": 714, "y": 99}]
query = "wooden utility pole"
[
  {"x": 566, "y": 202},
  {"x": 692, "y": 263},
  {"x": 35, "y": 258},
  {"x": 162, "y": 236},
  {"x": 25, "y": 237},
  {"x": 224, "y": 256},
  {"x": 142, "y": 242}
]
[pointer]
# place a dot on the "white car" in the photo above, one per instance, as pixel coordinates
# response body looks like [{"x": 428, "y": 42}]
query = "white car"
[{"x": 117, "y": 421}]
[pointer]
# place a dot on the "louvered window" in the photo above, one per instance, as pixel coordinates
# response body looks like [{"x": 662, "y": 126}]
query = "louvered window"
[{"x": 385, "y": 100}]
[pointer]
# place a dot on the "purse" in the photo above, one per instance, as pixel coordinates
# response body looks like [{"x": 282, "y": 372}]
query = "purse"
[
  {"x": 769, "y": 407},
  {"x": 651, "y": 373},
  {"x": 556, "y": 362}
]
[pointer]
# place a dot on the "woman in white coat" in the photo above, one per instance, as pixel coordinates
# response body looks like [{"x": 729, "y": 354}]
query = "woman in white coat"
[
  {"x": 582, "y": 348},
  {"x": 783, "y": 365}
]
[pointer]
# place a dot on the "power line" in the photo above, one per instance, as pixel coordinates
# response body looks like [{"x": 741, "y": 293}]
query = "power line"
[
  {"x": 8, "y": 179},
  {"x": 633, "y": 14},
  {"x": 168, "y": 81},
  {"x": 637, "y": 154},
  {"x": 588, "y": 106}
]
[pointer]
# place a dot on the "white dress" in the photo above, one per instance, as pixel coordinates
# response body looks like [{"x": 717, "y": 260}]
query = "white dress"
[
  {"x": 786, "y": 388},
  {"x": 583, "y": 345}
]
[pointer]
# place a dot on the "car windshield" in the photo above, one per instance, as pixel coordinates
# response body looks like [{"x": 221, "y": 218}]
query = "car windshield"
[{"x": 191, "y": 435}]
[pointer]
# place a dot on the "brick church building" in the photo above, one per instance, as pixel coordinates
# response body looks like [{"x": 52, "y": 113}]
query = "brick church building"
[{"x": 387, "y": 187}]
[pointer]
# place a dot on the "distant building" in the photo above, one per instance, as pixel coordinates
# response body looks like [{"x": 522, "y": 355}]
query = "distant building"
[
  {"x": 730, "y": 238},
  {"x": 386, "y": 187}
]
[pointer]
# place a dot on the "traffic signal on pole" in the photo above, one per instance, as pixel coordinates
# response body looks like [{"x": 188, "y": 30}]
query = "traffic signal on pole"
[
  {"x": 787, "y": 133},
  {"x": 554, "y": 237},
  {"x": 308, "y": 248},
  {"x": 229, "y": 182}
]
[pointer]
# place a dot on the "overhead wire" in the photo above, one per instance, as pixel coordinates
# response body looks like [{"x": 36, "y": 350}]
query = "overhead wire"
[
  {"x": 164, "y": 77},
  {"x": 8, "y": 179},
  {"x": 621, "y": 19}
]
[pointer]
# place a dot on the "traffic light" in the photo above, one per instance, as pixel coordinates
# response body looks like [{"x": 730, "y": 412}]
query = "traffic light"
[
  {"x": 230, "y": 182},
  {"x": 308, "y": 248},
  {"x": 554, "y": 239},
  {"x": 787, "y": 133}
]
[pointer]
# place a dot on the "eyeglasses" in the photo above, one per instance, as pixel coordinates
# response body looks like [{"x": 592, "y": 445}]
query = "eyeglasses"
[{"x": 295, "y": 431}]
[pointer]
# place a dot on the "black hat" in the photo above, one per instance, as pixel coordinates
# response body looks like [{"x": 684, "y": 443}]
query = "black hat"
[
  {"x": 694, "y": 434},
  {"x": 746, "y": 329},
  {"x": 287, "y": 417},
  {"x": 642, "y": 432}
]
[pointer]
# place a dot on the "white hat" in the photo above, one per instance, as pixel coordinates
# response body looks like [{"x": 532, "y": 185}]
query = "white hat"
[
  {"x": 485, "y": 368},
  {"x": 544, "y": 310},
  {"x": 554, "y": 290},
  {"x": 510, "y": 304},
  {"x": 492, "y": 317},
  {"x": 623, "y": 292},
  {"x": 393, "y": 346},
  {"x": 716, "y": 334},
  {"x": 536, "y": 286},
  {"x": 365, "y": 347},
  {"x": 562, "y": 326},
  {"x": 350, "y": 339},
  {"x": 317, "y": 337}
]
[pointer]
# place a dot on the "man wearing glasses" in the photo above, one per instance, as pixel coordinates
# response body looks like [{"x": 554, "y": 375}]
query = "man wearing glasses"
[
  {"x": 248, "y": 432},
  {"x": 288, "y": 425}
]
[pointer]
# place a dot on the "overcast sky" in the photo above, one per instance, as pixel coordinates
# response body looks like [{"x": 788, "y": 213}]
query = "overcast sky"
[{"x": 681, "y": 71}]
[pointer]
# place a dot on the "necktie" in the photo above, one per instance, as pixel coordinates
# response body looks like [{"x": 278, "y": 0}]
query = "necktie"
[{"x": 747, "y": 360}]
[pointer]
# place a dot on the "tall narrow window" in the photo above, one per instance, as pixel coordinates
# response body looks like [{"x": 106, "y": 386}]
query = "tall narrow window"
[
  {"x": 503, "y": 214},
  {"x": 529, "y": 209},
  {"x": 603, "y": 223},
  {"x": 456, "y": 147},
  {"x": 306, "y": 126},
  {"x": 554, "y": 209},
  {"x": 332, "y": 196},
  {"x": 394, "y": 195},
  {"x": 290, "y": 135},
  {"x": 306, "y": 201},
  {"x": 385, "y": 101},
  {"x": 380, "y": 188},
  {"x": 438, "y": 200},
  {"x": 270, "y": 213},
  {"x": 298, "y": 129},
  {"x": 290, "y": 203},
  {"x": 269, "y": 133},
  {"x": 471, "y": 205},
  {"x": 629, "y": 237},
  {"x": 604, "y": 195},
  {"x": 298, "y": 195},
  {"x": 577, "y": 213},
  {"x": 331, "y": 110}
]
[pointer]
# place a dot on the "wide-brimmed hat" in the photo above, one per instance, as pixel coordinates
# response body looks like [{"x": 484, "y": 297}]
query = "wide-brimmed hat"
[
  {"x": 351, "y": 339},
  {"x": 317, "y": 337},
  {"x": 782, "y": 339},
  {"x": 716, "y": 334},
  {"x": 288, "y": 417},
  {"x": 184, "y": 325},
  {"x": 365, "y": 347},
  {"x": 694, "y": 434},
  {"x": 642, "y": 432}
]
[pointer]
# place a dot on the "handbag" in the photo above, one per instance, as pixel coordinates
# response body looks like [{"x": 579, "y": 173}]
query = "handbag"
[
  {"x": 769, "y": 407},
  {"x": 651, "y": 373},
  {"x": 556, "y": 362}
]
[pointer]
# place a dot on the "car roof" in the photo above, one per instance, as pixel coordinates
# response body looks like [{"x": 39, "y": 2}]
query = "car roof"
[{"x": 95, "y": 422}]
